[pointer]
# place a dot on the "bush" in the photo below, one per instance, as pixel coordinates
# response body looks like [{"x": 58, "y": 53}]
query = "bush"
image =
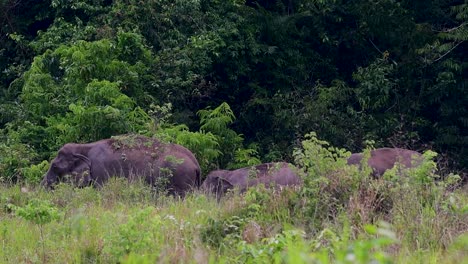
[
  {"x": 34, "y": 173},
  {"x": 19, "y": 156},
  {"x": 139, "y": 235},
  {"x": 78, "y": 93},
  {"x": 215, "y": 145},
  {"x": 328, "y": 182},
  {"x": 39, "y": 212},
  {"x": 418, "y": 195},
  {"x": 291, "y": 246}
]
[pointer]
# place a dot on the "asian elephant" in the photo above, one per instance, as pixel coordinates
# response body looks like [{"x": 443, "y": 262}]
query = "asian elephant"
[
  {"x": 269, "y": 174},
  {"x": 383, "y": 159},
  {"x": 130, "y": 156}
]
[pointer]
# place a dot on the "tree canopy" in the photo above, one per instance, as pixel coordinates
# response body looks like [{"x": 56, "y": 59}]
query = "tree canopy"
[{"x": 244, "y": 79}]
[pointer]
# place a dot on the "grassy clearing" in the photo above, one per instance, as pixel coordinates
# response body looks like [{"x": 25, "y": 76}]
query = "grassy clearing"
[
  {"x": 339, "y": 215},
  {"x": 101, "y": 226},
  {"x": 130, "y": 224}
]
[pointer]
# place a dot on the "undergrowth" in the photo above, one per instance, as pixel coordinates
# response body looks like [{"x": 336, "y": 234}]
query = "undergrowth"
[{"x": 339, "y": 215}]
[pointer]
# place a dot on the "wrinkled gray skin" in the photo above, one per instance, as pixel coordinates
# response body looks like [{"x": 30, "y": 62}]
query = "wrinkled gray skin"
[
  {"x": 383, "y": 159},
  {"x": 143, "y": 158},
  {"x": 269, "y": 174}
]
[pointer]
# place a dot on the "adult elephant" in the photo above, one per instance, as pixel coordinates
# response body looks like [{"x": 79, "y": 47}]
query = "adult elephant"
[
  {"x": 383, "y": 159},
  {"x": 269, "y": 174},
  {"x": 130, "y": 156}
]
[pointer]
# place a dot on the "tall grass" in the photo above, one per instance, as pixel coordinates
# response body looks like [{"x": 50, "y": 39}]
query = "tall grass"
[{"x": 339, "y": 215}]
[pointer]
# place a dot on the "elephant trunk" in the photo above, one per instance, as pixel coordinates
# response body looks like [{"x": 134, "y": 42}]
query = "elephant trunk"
[{"x": 49, "y": 179}]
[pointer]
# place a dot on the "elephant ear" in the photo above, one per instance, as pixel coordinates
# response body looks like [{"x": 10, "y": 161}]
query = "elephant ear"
[
  {"x": 81, "y": 172},
  {"x": 222, "y": 185},
  {"x": 82, "y": 158}
]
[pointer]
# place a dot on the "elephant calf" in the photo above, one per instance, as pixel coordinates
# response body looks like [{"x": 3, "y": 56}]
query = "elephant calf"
[
  {"x": 383, "y": 159},
  {"x": 277, "y": 173},
  {"x": 130, "y": 156}
]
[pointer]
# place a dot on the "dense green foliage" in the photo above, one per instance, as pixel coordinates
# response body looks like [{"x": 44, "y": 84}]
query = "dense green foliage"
[
  {"x": 238, "y": 82},
  {"x": 394, "y": 72}
]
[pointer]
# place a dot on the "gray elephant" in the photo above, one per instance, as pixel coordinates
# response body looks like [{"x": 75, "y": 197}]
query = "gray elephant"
[
  {"x": 269, "y": 174},
  {"x": 131, "y": 156},
  {"x": 383, "y": 159}
]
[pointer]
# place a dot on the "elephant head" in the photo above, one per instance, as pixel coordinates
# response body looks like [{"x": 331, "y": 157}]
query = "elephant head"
[
  {"x": 217, "y": 182},
  {"x": 268, "y": 174},
  {"x": 71, "y": 164}
]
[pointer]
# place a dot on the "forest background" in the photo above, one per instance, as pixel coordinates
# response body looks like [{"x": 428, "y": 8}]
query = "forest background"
[
  {"x": 235, "y": 81},
  {"x": 238, "y": 83}
]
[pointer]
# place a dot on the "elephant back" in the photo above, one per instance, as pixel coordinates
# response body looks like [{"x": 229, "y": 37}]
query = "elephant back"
[{"x": 181, "y": 161}]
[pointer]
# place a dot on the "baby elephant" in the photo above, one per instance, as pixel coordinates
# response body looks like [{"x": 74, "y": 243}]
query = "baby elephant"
[
  {"x": 269, "y": 174},
  {"x": 383, "y": 159}
]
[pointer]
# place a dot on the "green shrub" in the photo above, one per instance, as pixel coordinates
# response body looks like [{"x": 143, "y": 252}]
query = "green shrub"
[
  {"x": 328, "y": 181},
  {"x": 259, "y": 209},
  {"x": 215, "y": 145},
  {"x": 291, "y": 246},
  {"x": 222, "y": 233},
  {"x": 139, "y": 235},
  {"x": 217, "y": 121},
  {"x": 16, "y": 157},
  {"x": 34, "y": 173},
  {"x": 285, "y": 247},
  {"x": 79, "y": 92},
  {"x": 421, "y": 197},
  {"x": 39, "y": 212}
]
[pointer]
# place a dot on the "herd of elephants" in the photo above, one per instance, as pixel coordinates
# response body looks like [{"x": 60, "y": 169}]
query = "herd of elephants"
[{"x": 137, "y": 157}]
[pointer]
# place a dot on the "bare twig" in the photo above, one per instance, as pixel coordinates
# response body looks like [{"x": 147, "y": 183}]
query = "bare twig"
[
  {"x": 446, "y": 53},
  {"x": 451, "y": 29},
  {"x": 377, "y": 48}
]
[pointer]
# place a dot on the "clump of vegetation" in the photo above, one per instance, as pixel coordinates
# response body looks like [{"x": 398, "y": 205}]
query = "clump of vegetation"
[
  {"x": 35, "y": 173},
  {"x": 39, "y": 212},
  {"x": 215, "y": 145},
  {"x": 138, "y": 235},
  {"x": 129, "y": 141}
]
